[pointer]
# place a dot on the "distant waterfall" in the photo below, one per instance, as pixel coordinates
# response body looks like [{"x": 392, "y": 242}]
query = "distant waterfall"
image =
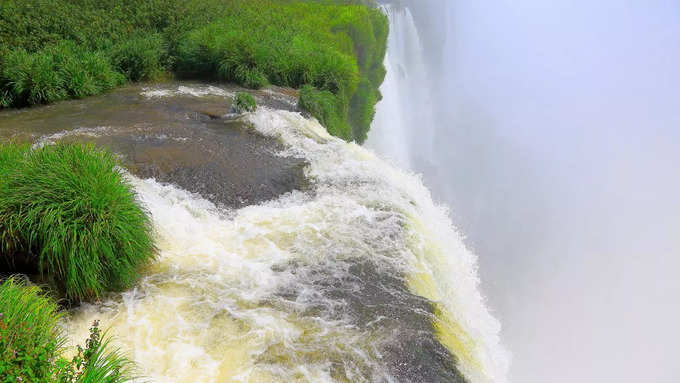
[{"x": 405, "y": 113}]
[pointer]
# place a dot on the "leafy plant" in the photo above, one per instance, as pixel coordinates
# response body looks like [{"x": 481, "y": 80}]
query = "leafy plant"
[
  {"x": 32, "y": 343},
  {"x": 69, "y": 210},
  {"x": 30, "y": 339},
  {"x": 244, "y": 102}
]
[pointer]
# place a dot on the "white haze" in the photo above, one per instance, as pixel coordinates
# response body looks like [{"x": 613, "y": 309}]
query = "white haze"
[{"x": 557, "y": 146}]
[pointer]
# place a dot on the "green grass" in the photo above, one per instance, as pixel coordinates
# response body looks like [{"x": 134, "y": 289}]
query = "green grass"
[
  {"x": 29, "y": 333},
  {"x": 68, "y": 210},
  {"x": 245, "y": 102},
  {"x": 32, "y": 342},
  {"x": 328, "y": 109},
  {"x": 56, "y": 49}
]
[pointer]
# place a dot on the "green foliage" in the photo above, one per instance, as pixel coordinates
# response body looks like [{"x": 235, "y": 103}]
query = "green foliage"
[
  {"x": 52, "y": 74},
  {"x": 29, "y": 334},
  {"x": 332, "y": 45},
  {"x": 141, "y": 57},
  {"x": 32, "y": 341},
  {"x": 96, "y": 363},
  {"x": 363, "y": 109},
  {"x": 245, "y": 102},
  {"x": 69, "y": 210},
  {"x": 328, "y": 109}
]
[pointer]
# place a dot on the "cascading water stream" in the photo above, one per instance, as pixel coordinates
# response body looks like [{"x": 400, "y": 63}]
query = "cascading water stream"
[
  {"x": 405, "y": 113},
  {"x": 360, "y": 279},
  {"x": 357, "y": 277}
]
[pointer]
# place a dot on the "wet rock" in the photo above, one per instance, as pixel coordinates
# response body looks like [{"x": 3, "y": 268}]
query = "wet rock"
[{"x": 180, "y": 133}]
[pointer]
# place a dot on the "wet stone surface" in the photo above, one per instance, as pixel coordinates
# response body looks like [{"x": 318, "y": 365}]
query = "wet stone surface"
[
  {"x": 377, "y": 303},
  {"x": 180, "y": 133}
]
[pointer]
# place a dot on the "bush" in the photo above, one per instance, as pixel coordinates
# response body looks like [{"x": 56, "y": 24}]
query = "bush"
[
  {"x": 294, "y": 43},
  {"x": 140, "y": 57},
  {"x": 68, "y": 210},
  {"x": 32, "y": 341},
  {"x": 52, "y": 74},
  {"x": 326, "y": 108},
  {"x": 244, "y": 102}
]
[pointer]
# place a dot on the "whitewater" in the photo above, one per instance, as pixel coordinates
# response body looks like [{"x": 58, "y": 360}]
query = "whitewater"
[
  {"x": 273, "y": 292},
  {"x": 357, "y": 277}
]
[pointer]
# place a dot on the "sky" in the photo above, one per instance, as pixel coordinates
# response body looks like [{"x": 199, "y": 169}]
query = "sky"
[{"x": 557, "y": 148}]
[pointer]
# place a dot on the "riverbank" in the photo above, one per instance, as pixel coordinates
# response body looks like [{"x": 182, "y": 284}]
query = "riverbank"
[{"x": 57, "y": 50}]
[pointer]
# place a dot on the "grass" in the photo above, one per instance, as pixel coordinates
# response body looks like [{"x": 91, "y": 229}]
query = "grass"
[
  {"x": 32, "y": 343},
  {"x": 67, "y": 210},
  {"x": 29, "y": 333},
  {"x": 328, "y": 109},
  {"x": 245, "y": 102},
  {"x": 56, "y": 49}
]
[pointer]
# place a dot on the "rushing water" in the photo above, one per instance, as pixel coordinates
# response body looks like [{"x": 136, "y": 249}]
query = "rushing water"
[
  {"x": 320, "y": 286},
  {"x": 285, "y": 254},
  {"x": 405, "y": 114}
]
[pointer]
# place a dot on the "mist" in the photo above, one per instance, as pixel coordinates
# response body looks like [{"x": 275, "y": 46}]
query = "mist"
[{"x": 555, "y": 142}]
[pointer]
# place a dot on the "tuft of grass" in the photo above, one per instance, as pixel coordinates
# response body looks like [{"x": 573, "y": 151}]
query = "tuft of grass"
[
  {"x": 244, "y": 102},
  {"x": 141, "y": 57},
  {"x": 32, "y": 342},
  {"x": 54, "y": 73},
  {"x": 30, "y": 337},
  {"x": 68, "y": 209}
]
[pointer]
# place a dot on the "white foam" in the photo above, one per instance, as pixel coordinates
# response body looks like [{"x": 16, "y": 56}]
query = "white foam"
[{"x": 209, "y": 310}]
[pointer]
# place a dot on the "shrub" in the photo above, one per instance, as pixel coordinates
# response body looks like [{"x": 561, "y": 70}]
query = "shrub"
[
  {"x": 363, "y": 110},
  {"x": 53, "y": 73},
  {"x": 326, "y": 108},
  {"x": 141, "y": 57},
  {"x": 244, "y": 102},
  {"x": 32, "y": 341},
  {"x": 68, "y": 210}
]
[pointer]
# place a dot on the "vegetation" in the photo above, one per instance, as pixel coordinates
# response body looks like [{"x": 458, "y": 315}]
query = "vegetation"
[
  {"x": 67, "y": 212},
  {"x": 56, "y": 49},
  {"x": 328, "y": 109},
  {"x": 32, "y": 342},
  {"x": 244, "y": 102}
]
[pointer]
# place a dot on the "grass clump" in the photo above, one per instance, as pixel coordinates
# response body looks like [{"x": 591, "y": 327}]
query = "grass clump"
[
  {"x": 32, "y": 343},
  {"x": 29, "y": 333},
  {"x": 67, "y": 211},
  {"x": 141, "y": 57},
  {"x": 244, "y": 102},
  {"x": 54, "y": 73}
]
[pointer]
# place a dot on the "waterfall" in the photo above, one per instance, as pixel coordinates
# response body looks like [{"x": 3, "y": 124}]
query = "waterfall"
[
  {"x": 361, "y": 278},
  {"x": 405, "y": 113}
]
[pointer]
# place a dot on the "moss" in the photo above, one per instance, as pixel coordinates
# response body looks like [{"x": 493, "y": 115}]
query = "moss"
[{"x": 68, "y": 211}]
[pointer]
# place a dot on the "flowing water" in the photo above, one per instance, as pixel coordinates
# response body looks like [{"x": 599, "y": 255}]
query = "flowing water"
[
  {"x": 405, "y": 114},
  {"x": 331, "y": 266}
]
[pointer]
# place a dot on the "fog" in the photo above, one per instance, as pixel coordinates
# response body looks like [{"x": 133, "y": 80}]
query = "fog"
[{"x": 556, "y": 144}]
